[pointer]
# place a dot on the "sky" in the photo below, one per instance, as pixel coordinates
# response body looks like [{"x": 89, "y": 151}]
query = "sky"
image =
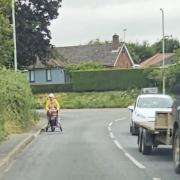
[{"x": 81, "y": 21}]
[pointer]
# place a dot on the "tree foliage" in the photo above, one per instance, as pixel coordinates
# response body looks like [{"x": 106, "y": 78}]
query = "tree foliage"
[
  {"x": 84, "y": 66},
  {"x": 33, "y": 18},
  {"x": 170, "y": 45},
  {"x": 140, "y": 52},
  {"x": 6, "y": 43}
]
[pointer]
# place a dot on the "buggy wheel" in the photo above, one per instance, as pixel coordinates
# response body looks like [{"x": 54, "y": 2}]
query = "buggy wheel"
[
  {"x": 46, "y": 128},
  {"x": 52, "y": 128}
]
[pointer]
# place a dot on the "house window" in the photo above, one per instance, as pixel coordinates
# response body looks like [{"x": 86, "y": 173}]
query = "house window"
[
  {"x": 48, "y": 75},
  {"x": 32, "y": 76}
]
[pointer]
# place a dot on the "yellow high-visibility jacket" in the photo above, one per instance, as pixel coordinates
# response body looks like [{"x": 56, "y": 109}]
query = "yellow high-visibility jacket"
[{"x": 52, "y": 104}]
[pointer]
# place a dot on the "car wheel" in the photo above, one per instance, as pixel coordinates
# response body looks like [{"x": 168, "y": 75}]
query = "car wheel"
[
  {"x": 130, "y": 129},
  {"x": 140, "y": 142},
  {"x": 133, "y": 129},
  {"x": 145, "y": 148},
  {"x": 176, "y": 151}
]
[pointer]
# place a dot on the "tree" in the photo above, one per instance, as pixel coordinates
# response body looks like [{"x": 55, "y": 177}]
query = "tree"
[
  {"x": 177, "y": 55},
  {"x": 6, "y": 43},
  {"x": 140, "y": 52},
  {"x": 33, "y": 36},
  {"x": 170, "y": 45},
  {"x": 84, "y": 66},
  {"x": 97, "y": 41}
]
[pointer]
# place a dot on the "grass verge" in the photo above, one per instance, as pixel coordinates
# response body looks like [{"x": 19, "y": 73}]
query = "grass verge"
[{"x": 110, "y": 99}]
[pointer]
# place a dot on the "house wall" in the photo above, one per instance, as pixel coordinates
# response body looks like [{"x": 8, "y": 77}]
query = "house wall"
[
  {"x": 40, "y": 76},
  {"x": 123, "y": 61}
]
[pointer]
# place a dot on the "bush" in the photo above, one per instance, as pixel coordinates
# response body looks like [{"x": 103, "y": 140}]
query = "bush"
[
  {"x": 103, "y": 80},
  {"x": 16, "y": 104},
  {"x": 50, "y": 88}
]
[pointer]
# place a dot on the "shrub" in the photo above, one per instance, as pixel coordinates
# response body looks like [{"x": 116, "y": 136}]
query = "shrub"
[
  {"x": 50, "y": 88},
  {"x": 104, "y": 80},
  {"x": 17, "y": 102}
]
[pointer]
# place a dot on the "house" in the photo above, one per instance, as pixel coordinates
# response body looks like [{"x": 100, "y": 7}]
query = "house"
[
  {"x": 113, "y": 54},
  {"x": 50, "y": 72},
  {"x": 157, "y": 60}
]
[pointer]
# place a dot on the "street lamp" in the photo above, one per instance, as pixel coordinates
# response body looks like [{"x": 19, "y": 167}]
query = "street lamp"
[
  {"x": 163, "y": 88},
  {"x": 14, "y": 34},
  {"x": 124, "y": 30}
]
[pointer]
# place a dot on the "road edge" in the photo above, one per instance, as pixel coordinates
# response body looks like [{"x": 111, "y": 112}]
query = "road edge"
[{"x": 19, "y": 148}]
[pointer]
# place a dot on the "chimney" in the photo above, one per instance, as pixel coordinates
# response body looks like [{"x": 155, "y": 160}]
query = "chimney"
[{"x": 115, "y": 42}]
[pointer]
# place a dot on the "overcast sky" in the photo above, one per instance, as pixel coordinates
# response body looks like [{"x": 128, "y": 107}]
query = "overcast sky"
[{"x": 80, "y": 21}]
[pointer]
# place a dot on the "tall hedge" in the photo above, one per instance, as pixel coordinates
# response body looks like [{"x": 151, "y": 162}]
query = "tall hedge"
[
  {"x": 117, "y": 79},
  {"x": 16, "y": 102},
  {"x": 50, "y": 88}
]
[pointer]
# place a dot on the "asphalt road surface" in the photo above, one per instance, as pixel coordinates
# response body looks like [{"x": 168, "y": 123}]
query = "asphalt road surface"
[{"x": 95, "y": 145}]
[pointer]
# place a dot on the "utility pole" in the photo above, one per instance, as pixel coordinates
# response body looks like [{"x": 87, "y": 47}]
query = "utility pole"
[
  {"x": 124, "y": 30},
  {"x": 14, "y": 34},
  {"x": 163, "y": 49}
]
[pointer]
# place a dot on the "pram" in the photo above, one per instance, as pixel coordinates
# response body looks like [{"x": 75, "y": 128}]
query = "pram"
[{"x": 53, "y": 120}]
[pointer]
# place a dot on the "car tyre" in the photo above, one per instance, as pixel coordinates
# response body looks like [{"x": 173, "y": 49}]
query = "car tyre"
[
  {"x": 146, "y": 149},
  {"x": 133, "y": 129},
  {"x": 176, "y": 151},
  {"x": 130, "y": 129},
  {"x": 140, "y": 142}
]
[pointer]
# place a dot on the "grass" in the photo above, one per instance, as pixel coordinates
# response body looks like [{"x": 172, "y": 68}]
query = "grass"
[{"x": 110, "y": 99}]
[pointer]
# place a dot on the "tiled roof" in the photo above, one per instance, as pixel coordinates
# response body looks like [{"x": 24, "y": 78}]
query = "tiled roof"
[
  {"x": 157, "y": 59},
  {"x": 100, "y": 53},
  {"x": 45, "y": 65}
]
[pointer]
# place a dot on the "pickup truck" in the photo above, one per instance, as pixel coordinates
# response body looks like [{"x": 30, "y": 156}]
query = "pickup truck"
[
  {"x": 176, "y": 134},
  {"x": 165, "y": 130}
]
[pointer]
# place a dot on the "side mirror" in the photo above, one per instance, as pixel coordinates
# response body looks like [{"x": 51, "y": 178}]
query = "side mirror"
[
  {"x": 131, "y": 108},
  {"x": 178, "y": 108}
]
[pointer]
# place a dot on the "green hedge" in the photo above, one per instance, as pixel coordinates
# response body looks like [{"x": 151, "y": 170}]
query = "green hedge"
[
  {"x": 102, "y": 80},
  {"x": 16, "y": 104},
  {"x": 50, "y": 88}
]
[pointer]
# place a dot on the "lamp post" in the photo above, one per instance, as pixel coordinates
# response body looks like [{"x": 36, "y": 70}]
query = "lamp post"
[
  {"x": 14, "y": 34},
  {"x": 124, "y": 30},
  {"x": 163, "y": 88}
]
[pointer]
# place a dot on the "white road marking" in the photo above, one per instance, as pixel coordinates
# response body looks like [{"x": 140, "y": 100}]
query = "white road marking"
[
  {"x": 109, "y": 129},
  {"x": 138, "y": 164},
  {"x": 117, "y": 144},
  {"x": 111, "y": 135},
  {"x": 120, "y": 147},
  {"x": 120, "y": 119},
  {"x": 156, "y": 178}
]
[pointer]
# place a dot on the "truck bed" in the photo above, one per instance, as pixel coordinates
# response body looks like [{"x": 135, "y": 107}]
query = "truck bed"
[
  {"x": 148, "y": 125},
  {"x": 163, "y": 121}
]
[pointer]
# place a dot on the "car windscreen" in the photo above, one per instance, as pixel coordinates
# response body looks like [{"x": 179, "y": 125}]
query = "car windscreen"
[{"x": 154, "y": 102}]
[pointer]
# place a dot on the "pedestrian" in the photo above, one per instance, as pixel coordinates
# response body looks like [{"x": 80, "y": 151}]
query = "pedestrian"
[{"x": 51, "y": 104}]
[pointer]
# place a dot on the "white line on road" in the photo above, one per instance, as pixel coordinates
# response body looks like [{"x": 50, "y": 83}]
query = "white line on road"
[
  {"x": 111, "y": 135},
  {"x": 156, "y": 178},
  {"x": 109, "y": 129},
  {"x": 118, "y": 145},
  {"x": 120, "y": 119},
  {"x": 131, "y": 158},
  {"x": 138, "y": 164}
]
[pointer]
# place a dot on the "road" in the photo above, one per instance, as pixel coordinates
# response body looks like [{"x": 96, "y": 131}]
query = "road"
[{"x": 95, "y": 145}]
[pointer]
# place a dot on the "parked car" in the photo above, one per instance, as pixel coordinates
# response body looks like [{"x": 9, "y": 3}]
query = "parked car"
[{"x": 145, "y": 109}]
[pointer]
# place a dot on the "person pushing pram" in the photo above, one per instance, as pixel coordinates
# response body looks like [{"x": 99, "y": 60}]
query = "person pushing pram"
[{"x": 52, "y": 109}]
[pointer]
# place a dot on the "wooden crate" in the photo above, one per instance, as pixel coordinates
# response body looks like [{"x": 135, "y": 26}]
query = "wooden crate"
[{"x": 163, "y": 120}]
